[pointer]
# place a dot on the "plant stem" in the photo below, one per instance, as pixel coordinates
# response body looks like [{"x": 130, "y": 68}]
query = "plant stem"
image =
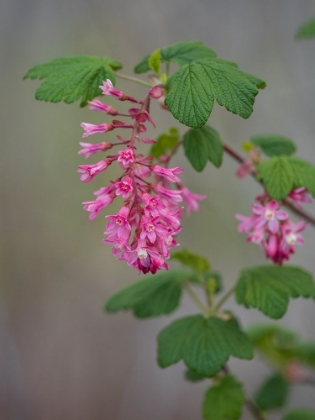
[
  {"x": 225, "y": 297},
  {"x": 132, "y": 79},
  {"x": 287, "y": 201},
  {"x": 196, "y": 299}
]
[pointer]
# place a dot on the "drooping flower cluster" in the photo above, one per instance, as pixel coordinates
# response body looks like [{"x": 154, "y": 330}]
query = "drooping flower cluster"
[
  {"x": 271, "y": 227},
  {"x": 144, "y": 229}
]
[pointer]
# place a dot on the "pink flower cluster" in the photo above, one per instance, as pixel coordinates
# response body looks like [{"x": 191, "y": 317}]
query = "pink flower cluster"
[
  {"x": 272, "y": 228},
  {"x": 144, "y": 229}
]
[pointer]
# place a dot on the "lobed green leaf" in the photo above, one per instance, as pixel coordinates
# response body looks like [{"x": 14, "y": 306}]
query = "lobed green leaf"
[
  {"x": 306, "y": 30},
  {"x": 300, "y": 414},
  {"x": 204, "y": 345},
  {"x": 225, "y": 400},
  {"x": 203, "y": 144},
  {"x": 193, "y": 88},
  {"x": 281, "y": 174},
  {"x": 273, "y": 145},
  {"x": 153, "y": 296},
  {"x": 72, "y": 78},
  {"x": 273, "y": 393},
  {"x": 180, "y": 53},
  {"x": 268, "y": 288}
]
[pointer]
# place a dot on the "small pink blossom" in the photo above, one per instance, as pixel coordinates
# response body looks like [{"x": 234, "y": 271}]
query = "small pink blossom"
[
  {"x": 270, "y": 215},
  {"x": 173, "y": 195},
  {"x": 156, "y": 92},
  {"x": 90, "y": 149},
  {"x": 94, "y": 207},
  {"x": 124, "y": 187},
  {"x": 108, "y": 89},
  {"x": 299, "y": 196},
  {"x": 95, "y": 129},
  {"x": 125, "y": 157},
  {"x": 89, "y": 171},
  {"x": 191, "y": 199},
  {"x": 169, "y": 173},
  {"x": 97, "y": 105}
]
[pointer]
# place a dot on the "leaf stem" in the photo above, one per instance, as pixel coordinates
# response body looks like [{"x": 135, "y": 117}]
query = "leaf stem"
[
  {"x": 225, "y": 297},
  {"x": 196, "y": 299},
  {"x": 132, "y": 79},
  {"x": 287, "y": 201}
]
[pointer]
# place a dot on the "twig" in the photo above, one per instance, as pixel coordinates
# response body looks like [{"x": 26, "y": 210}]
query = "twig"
[
  {"x": 132, "y": 79},
  {"x": 196, "y": 299}
]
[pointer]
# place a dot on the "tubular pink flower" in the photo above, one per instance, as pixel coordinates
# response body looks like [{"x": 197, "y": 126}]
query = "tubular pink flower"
[
  {"x": 95, "y": 129},
  {"x": 90, "y": 149},
  {"x": 108, "y": 89},
  {"x": 94, "y": 207},
  {"x": 89, "y": 171},
  {"x": 124, "y": 187},
  {"x": 168, "y": 173},
  {"x": 191, "y": 199},
  {"x": 97, "y": 105},
  {"x": 299, "y": 196},
  {"x": 173, "y": 195}
]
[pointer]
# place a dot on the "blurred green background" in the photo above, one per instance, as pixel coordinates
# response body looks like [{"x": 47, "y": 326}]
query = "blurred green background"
[{"x": 61, "y": 357}]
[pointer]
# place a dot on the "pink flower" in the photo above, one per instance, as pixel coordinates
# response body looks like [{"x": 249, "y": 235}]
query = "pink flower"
[
  {"x": 89, "y": 171},
  {"x": 124, "y": 187},
  {"x": 141, "y": 116},
  {"x": 90, "y": 149},
  {"x": 151, "y": 228},
  {"x": 300, "y": 195},
  {"x": 169, "y": 173},
  {"x": 192, "y": 200},
  {"x": 94, "y": 129},
  {"x": 118, "y": 227},
  {"x": 94, "y": 207},
  {"x": 125, "y": 157},
  {"x": 97, "y": 105},
  {"x": 108, "y": 89},
  {"x": 153, "y": 205},
  {"x": 171, "y": 195},
  {"x": 270, "y": 215},
  {"x": 156, "y": 92}
]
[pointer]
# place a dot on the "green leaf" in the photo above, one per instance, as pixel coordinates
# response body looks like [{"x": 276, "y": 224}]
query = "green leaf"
[
  {"x": 303, "y": 174},
  {"x": 268, "y": 288},
  {"x": 193, "y": 88},
  {"x": 198, "y": 263},
  {"x": 180, "y": 53},
  {"x": 193, "y": 376},
  {"x": 155, "y": 62},
  {"x": 205, "y": 345},
  {"x": 165, "y": 142},
  {"x": 224, "y": 401},
  {"x": 72, "y": 78},
  {"x": 306, "y": 30},
  {"x": 305, "y": 353},
  {"x": 273, "y": 145},
  {"x": 201, "y": 145},
  {"x": 273, "y": 393},
  {"x": 277, "y": 177},
  {"x": 153, "y": 296},
  {"x": 281, "y": 174},
  {"x": 300, "y": 414},
  {"x": 213, "y": 281}
]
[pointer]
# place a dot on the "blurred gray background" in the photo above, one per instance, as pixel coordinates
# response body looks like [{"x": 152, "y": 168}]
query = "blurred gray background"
[{"x": 61, "y": 356}]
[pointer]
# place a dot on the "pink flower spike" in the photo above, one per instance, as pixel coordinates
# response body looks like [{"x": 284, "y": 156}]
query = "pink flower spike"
[
  {"x": 169, "y": 173},
  {"x": 108, "y": 89},
  {"x": 156, "y": 92},
  {"x": 90, "y": 149},
  {"x": 97, "y": 105},
  {"x": 124, "y": 187},
  {"x": 89, "y": 171},
  {"x": 94, "y": 129},
  {"x": 192, "y": 200},
  {"x": 125, "y": 157}
]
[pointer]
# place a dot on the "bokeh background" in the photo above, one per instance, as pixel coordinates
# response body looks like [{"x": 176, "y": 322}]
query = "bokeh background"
[{"x": 61, "y": 356}]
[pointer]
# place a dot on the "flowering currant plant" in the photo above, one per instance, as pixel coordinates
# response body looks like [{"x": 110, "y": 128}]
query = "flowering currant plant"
[{"x": 152, "y": 200}]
